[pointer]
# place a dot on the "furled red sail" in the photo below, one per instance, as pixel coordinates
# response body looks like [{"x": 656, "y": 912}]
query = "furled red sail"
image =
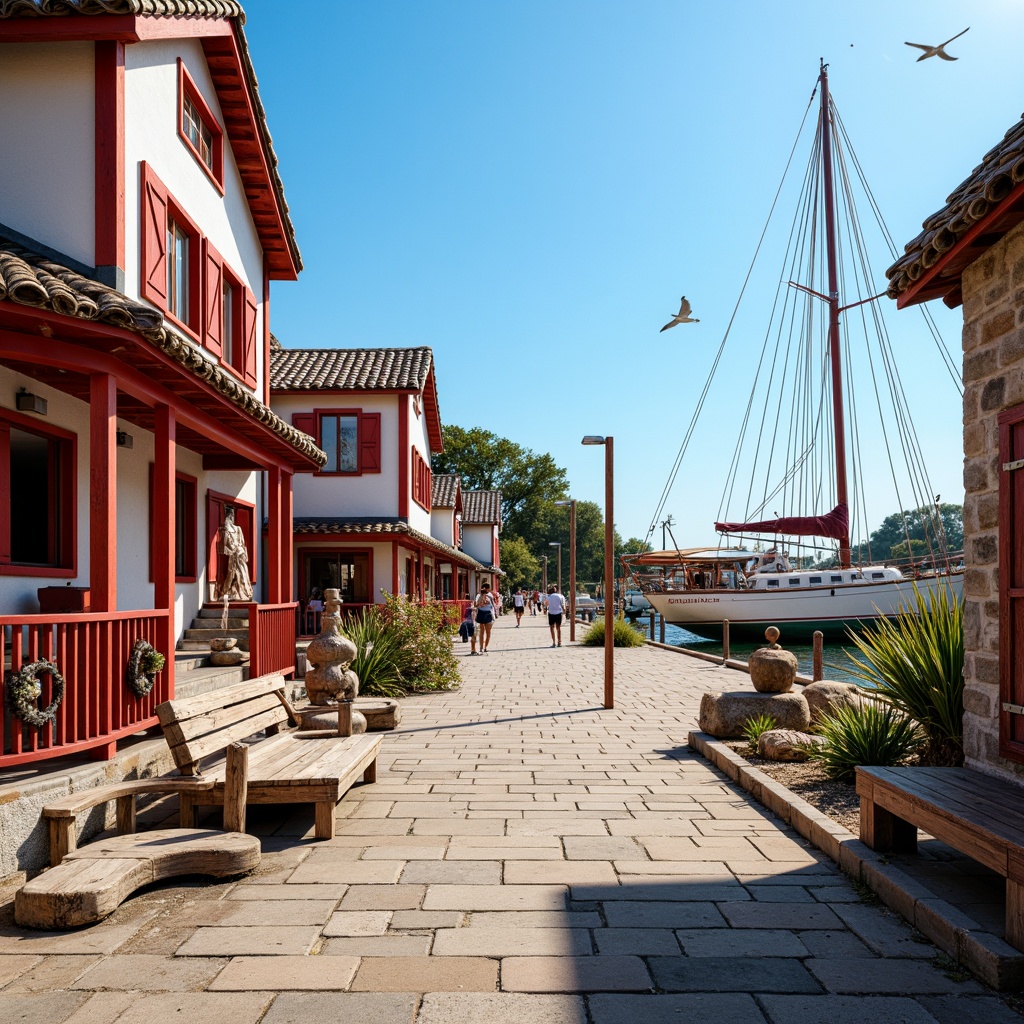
[{"x": 835, "y": 524}]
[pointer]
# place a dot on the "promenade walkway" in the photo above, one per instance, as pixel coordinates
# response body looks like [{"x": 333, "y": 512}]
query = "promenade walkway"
[{"x": 526, "y": 857}]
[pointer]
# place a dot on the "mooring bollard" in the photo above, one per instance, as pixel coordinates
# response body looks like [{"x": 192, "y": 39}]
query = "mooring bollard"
[
  {"x": 652, "y": 623},
  {"x": 725, "y": 640},
  {"x": 662, "y": 628},
  {"x": 817, "y": 668}
]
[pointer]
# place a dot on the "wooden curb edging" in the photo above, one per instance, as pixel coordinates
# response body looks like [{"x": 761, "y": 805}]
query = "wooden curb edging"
[{"x": 989, "y": 957}]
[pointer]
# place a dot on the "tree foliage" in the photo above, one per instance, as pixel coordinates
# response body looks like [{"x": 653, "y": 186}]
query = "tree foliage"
[
  {"x": 919, "y": 524},
  {"x": 521, "y": 567}
]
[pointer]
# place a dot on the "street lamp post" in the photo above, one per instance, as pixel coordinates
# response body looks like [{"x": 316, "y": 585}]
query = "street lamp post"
[
  {"x": 571, "y": 502},
  {"x": 544, "y": 576},
  {"x": 609, "y": 568},
  {"x": 558, "y": 544}
]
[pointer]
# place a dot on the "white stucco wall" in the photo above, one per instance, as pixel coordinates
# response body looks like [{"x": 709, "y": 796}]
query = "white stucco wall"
[
  {"x": 47, "y": 150},
  {"x": 151, "y": 134},
  {"x": 370, "y": 494},
  {"x": 478, "y": 542},
  {"x": 442, "y": 525},
  {"x": 419, "y": 517}
]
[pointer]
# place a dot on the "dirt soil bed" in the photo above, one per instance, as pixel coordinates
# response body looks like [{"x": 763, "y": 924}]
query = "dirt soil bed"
[{"x": 838, "y": 800}]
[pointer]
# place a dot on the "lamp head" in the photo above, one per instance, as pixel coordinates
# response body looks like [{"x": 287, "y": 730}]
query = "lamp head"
[
  {"x": 564, "y": 504},
  {"x": 592, "y": 439},
  {"x": 554, "y": 543}
]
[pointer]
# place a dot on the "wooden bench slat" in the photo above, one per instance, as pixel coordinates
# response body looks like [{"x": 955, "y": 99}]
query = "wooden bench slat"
[
  {"x": 194, "y": 750},
  {"x": 71, "y": 806},
  {"x": 182, "y": 709}
]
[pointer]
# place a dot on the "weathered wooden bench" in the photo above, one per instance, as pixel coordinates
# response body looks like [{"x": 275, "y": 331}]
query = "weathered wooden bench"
[
  {"x": 316, "y": 767},
  {"x": 981, "y": 816}
]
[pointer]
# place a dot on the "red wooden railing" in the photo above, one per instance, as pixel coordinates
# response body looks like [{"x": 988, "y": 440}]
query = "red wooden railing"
[
  {"x": 272, "y": 638},
  {"x": 91, "y": 651},
  {"x": 308, "y": 623}
]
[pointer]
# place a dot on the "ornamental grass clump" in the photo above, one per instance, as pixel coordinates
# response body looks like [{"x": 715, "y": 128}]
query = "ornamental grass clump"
[
  {"x": 378, "y": 657},
  {"x": 915, "y": 662},
  {"x": 623, "y": 635},
  {"x": 756, "y": 727},
  {"x": 874, "y": 734}
]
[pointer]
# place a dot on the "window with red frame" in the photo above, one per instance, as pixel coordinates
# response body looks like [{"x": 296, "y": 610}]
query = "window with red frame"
[
  {"x": 185, "y": 531},
  {"x": 37, "y": 532},
  {"x": 199, "y": 128},
  {"x": 350, "y": 437},
  {"x": 421, "y": 480}
]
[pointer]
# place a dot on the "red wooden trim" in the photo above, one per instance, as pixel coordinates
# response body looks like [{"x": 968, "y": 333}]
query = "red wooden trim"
[
  {"x": 266, "y": 333},
  {"x": 287, "y": 549},
  {"x": 249, "y": 339},
  {"x": 403, "y": 458},
  {"x": 213, "y": 299},
  {"x": 103, "y": 492},
  {"x": 164, "y": 525},
  {"x": 274, "y": 535},
  {"x": 191, "y": 523},
  {"x": 319, "y": 413},
  {"x": 394, "y": 567},
  {"x": 187, "y": 89},
  {"x": 72, "y": 28},
  {"x": 109, "y": 157}
]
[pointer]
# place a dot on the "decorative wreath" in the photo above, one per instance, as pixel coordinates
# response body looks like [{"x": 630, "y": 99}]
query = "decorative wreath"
[
  {"x": 23, "y": 690},
  {"x": 143, "y": 664}
]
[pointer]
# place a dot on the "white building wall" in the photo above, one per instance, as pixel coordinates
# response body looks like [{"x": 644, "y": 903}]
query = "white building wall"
[
  {"x": 151, "y": 134},
  {"x": 478, "y": 542},
  {"x": 47, "y": 147},
  {"x": 442, "y": 525},
  {"x": 419, "y": 517}
]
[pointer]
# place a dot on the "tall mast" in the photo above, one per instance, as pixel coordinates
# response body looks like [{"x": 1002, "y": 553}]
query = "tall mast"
[{"x": 835, "y": 355}]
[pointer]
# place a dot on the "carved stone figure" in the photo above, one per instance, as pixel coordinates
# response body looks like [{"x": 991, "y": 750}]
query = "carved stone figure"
[
  {"x": 772, "y": 670},
  {"x": 328, "y": 677},
  {"x": 236, "y": 585}
]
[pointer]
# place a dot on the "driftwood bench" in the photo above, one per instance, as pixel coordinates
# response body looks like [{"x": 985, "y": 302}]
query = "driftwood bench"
[{"x": 977, "y": 814}]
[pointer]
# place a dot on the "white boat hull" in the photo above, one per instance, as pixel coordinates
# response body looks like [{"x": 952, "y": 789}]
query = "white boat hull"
[{"x": 797, "y": 613}]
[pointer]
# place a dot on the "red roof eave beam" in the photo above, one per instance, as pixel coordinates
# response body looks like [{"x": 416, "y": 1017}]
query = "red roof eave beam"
[{"x": 125, "y": 28}]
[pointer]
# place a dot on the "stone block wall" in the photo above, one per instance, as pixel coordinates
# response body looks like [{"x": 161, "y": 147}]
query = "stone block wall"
[{"x": 993, "y": 344}]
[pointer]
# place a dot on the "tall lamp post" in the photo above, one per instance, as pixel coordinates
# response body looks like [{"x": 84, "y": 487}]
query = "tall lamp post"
[
  {"x": 609, "y": 567},
  {"x": 571, "y": 503},
  {"x": 544, "y": 577},
  {"x": 558, "y": 544}
]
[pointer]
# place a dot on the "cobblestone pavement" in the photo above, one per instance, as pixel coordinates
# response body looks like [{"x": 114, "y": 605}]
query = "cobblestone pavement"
[{"x": 525, "y": 857}]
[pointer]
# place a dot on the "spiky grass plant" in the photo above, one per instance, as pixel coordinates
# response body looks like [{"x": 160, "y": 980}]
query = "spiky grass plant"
[
  {"x": 378, "y": 655},
  {"x": 624, "y": 635},
  {"x": 915, "y": 662},
  {"x": 876, "y": 733},
  {"x": 756, "y": 727}
]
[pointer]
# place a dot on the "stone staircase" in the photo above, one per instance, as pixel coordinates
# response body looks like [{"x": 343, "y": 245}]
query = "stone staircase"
[{"x": 193, "y": 672}]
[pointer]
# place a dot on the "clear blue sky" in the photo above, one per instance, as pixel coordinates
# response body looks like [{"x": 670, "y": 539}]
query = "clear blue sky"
[{"x": 528, "y": 187}]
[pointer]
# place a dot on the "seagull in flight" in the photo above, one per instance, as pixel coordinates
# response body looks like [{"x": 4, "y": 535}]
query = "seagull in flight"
[
  {"x": 937, "y": 51},
  {"x": 682, "y": 317}
]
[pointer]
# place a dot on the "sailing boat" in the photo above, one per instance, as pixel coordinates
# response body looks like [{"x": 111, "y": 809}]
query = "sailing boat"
[{"x": 774, "y": 577}]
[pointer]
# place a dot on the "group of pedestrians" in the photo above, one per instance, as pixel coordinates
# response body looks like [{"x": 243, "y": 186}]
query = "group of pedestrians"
[{"x": 483, "y": 610}]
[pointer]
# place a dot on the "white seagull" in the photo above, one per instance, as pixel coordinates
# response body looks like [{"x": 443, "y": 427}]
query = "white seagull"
[
  {"x": 937, "y": 51},
  {"x": 682, "y": 317}
]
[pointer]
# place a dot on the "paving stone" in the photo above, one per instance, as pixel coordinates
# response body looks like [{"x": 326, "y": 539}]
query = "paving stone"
[
  {"x": 658, "y": 890},
  {"x": 563, "y": 872},
  {"x": 507, "y": 844},
  {"x": 835, "y": 945},
  {"x": 732, "y": 974},
  {"x": 969, "y": 1010},
  {"x": 455, "y": 827},
  {"x": 103, "y": 1007},
  {"x": 519, "y": 941},
  {"x": 411, "y": 920},
  {"x": 602, "y": 848},
  {"x": 272, "y": 913},
  {"x": 725, "y": 1008},
  {"x": 834, "y": 893},
  {"x": 367, "y": 922},
  {"x": 382, "y": 897},
  {"x": 574, "y": 974},
  {"x": 574, "y": 827},
  {"x": 282, "y": 941},
  {"x": 675, "y": 870},
  {"x": 495, "y": 897},
  {"x": 500, "y": 1008},
  {"x": 348, "y": 871},
  {"x": 466, "y": 872},
  {"x": 279, "y": 973},
  {"x": 779, "y": 915},
  {"x": 341, "y": 1008},
  {"x": 426, "y": 974},
  {"x": 638, "y": 941},
  {"x": 843, "y": 1009},
  {"x": 12, "y": 964},
  {"x": 150, "y": 973},
  {"x": 726, "y": 942},
  {"x": 378, "y": 945},
  {"x": 290, "y": 891},
  {"x": 781, "y": 894},
  {"x": 40, "y": 1008},
  {"x": 222, "y": 1007},
  {"x": 101, "y": 938},
  {"x": 504, "y": 853},
  {"x": 407, "y": 852},
  {"x": 535, "y": 919},
  {"x": 884, "y": 932},
  {"x": 886, "y": 976}
]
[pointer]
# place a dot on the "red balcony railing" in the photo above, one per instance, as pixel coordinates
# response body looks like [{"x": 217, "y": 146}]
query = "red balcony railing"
[
  {"x": 272, "y": 638},
  {"x": 309, "y": 621},
  {"x": 91, "y": 651}
]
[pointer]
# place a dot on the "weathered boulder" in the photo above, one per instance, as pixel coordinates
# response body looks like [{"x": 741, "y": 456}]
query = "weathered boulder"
[
  {"x": 381, "y": 713},
  {"x": 825, "y": 696},
  {"x": 725, "y": 715},
  {"x": 787, "y": 744},
  {"x": 772, "y": 670}
]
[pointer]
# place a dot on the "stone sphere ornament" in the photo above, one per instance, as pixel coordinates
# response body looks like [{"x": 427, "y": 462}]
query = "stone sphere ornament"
[{"x": 772, "y": 670}]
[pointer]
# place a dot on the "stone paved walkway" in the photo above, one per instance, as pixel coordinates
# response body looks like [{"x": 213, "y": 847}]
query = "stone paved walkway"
[{"x": 525, "y": 857}]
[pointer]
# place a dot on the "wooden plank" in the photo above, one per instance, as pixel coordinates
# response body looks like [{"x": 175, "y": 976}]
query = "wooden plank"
[
  {"x": 1014, "y": 914},
  {"x": 182, "y": 709},
  {"x": 236, "y": 779},
  {"x": 203, "y": 725},
  {"x": 70, "y": 806},
  {"x": 199, "y": 748}
]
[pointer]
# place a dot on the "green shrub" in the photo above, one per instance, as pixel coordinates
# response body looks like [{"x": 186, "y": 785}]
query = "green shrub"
[
  {"x": 379, "y": 653},
  {"x": 427, "y": 660},
  {"x": 915, "y": 662},
  {"x": 755, "y": 727},
  {"x": 623, "y": 635},
  {"x": 874, "y": 734}
]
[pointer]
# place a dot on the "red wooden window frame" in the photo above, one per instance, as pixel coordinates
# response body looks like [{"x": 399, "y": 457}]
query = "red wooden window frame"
[
  {"x": 190, "y": 524},
  {"x": 422, "y": 483},
  {"x": 368, "y": 437},
  {"x": 240, "y": 355},
  {"x": 187, "y": 90},
  {"x": 245, "y": 517},
  {"x": 1011, "y": 584},
  {"x": 62, "y": 510}
]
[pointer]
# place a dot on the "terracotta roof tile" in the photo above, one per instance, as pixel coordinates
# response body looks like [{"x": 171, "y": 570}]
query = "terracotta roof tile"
[
  {"x": 350, "y": 369},
  {"x": 445, "y": 490},
  {"x": 1000, "y": 171},
  {"x": 481, "y": 507},
  {"x": 33, "y": 280}
]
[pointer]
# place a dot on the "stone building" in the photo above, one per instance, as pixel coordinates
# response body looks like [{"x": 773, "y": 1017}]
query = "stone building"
[{"x": 971, "y": 253}]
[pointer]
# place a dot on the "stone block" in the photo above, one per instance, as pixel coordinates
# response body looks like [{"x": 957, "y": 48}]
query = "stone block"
[
  {"x": 724, "y": 715},
  {"x": 500, "y": 1008},
  {"x": 825, "y": 696},
  {"x": 575, "y": 974},
  {"x": 786, "y": 744},
  {"x": 426, "y": 974},
  {"x": 272, "y": 973}
]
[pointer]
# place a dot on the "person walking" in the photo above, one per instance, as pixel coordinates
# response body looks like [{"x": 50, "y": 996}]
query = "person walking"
[
  {"x": 485, "y": 611},
  {"x": 519, "y": 604},
  {"x": 536, "y": 602},
  {"x": 467, "y": 630},
  {"x": 556, "y": 606}
]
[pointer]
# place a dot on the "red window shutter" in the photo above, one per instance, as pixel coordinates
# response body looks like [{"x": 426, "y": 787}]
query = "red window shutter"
[
  {"x": 306, "y": 422},
  {"x": 214, "y": 514},
  {"x": 249, "y": 339},
  {"x": 213, "y": 300},
  {"x": 154, "y": 239},
  {"x": 369, "y": 442}
]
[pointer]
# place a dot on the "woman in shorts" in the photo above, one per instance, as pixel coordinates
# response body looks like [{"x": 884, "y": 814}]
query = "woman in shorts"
[{"x": 484, "y": 604}]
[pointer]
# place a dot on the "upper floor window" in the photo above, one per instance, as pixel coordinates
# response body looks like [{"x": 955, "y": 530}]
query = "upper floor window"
[
  {"x": 339, "y": 437},
  {"x": 422, "y": 484},
  {"x": 350, "y": 437},
  {"x": 178, "y": 258},
  {"x": 199, "y": 129}
]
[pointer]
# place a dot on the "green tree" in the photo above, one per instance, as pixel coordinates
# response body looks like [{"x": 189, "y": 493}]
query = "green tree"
[
  {"x": 521, "y": 568},
  {"x": 937, "y": 533}
]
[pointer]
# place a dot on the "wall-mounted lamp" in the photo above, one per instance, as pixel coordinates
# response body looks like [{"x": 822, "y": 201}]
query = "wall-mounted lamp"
[
  {"x": 25, "y": 401},
  {"x": 125, "y": 440}
]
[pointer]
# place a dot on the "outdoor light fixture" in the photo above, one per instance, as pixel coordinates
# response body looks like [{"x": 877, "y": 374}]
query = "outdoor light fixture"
[
  {"x": 25, "y": 401},
  {"x": 592, "y": 439},
  {"x": 609, "y": 564},
  {"x": 570, "y": 503},
  {"x": 558, "y": 544},
  {"x": 125, "y": 440}
]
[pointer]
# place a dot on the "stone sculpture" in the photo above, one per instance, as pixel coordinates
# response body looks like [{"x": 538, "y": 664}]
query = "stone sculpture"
[
  {"x": 772, "y": 670},
  {"x": 725, "y": 715},
  {"x": 236, "y": 585},
  {"x": 328, "y": 676}
]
